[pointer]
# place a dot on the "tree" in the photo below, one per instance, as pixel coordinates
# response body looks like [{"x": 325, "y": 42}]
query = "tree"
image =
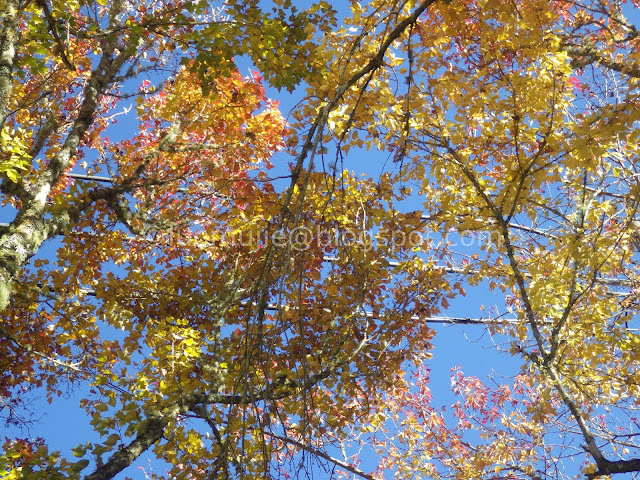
[
  {"x": 232, "y": 327},
  {"x": 167, "y": 322},
  {"x": 521, "y": 126}
]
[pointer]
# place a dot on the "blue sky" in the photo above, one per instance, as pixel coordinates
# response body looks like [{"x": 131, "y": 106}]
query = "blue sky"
[
  {"x": 469, "y": 347},
  {"x": 65, "y": 426}
]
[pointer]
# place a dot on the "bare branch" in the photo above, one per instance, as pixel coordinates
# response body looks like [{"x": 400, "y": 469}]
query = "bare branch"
[{"x": 319, "y": 453}]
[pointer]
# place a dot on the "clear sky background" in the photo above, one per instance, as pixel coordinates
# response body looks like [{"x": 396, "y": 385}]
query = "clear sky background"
[
  {"x": 64, "y": 425},
  {"x": 469, "y": 347}
]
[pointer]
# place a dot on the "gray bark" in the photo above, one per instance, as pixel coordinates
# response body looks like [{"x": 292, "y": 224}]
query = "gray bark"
[
  {"x": 30, "y": 229},
  {"x": 124, "y": 457},
  {"x": 7, "y": 54}
]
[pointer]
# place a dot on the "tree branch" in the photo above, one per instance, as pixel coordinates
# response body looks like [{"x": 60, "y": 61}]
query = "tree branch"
[
  {"x": 611, "y": 467},
  {"x": 53, "y": 28},
  {"x": 319, "y": 453},
  {"x": 7, "y": 55},
  {"x": 121, "y": 459}
]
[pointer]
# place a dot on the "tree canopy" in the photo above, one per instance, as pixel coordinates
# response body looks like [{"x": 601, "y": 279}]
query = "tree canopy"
[{"x": 232, "y": 292}]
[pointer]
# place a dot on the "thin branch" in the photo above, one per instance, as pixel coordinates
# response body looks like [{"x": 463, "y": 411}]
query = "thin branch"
[
  {"x": 53, "y": 28},
  {"x": 319, "y": 453},
  {"x": 30, "y": 351},
  {"x": 91, "y": 178}
]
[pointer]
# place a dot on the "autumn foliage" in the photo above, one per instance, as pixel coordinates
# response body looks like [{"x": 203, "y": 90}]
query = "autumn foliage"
[{"x": 226, "y": 289}]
